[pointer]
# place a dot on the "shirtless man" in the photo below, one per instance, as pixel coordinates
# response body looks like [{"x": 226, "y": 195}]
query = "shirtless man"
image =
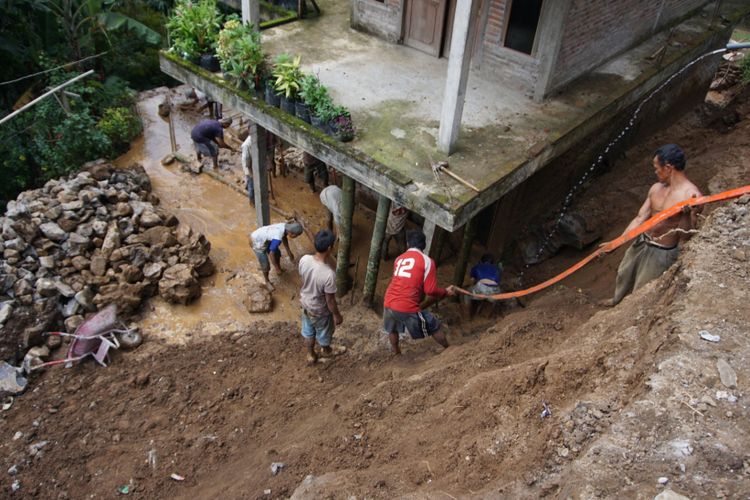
[{"x": 655, "y": 250}]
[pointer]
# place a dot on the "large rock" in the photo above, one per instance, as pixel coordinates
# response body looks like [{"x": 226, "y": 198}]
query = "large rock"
[
  {"x": 179, "y": 284},
  {"x": 52, "y": 231},
  {"x": 111, "y": 240},
  {"x": 257, "y": 297},
  {"x": 127, "y": 296}
]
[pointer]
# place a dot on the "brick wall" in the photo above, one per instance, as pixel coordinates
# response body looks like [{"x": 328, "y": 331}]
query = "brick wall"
[
  {"x": 382, "y": 19},
  {"x": 597, "y": 31},
  {"x": 509, "y": 67}
]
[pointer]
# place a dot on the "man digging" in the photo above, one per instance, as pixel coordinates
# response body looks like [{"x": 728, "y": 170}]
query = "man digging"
[
  {"x": 208, "y": 137},
  {"x": 655, "y": 251},
  {"x": 317, "y": 296},
  {"x": 266, "y": 241}
]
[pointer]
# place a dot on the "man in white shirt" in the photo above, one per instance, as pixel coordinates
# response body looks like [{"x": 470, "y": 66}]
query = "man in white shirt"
[{"x": 266, "y": 241}]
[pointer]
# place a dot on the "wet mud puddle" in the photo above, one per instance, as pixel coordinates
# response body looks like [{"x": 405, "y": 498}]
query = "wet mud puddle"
[{"x": 224, "y": 216}]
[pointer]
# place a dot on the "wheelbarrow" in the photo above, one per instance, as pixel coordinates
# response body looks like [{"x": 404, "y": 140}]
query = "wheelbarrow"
[{"x": 95, "y": 337}]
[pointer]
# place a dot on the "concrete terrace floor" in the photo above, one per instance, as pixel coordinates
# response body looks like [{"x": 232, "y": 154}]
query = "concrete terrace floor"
[{"x": 395, "y": 92}]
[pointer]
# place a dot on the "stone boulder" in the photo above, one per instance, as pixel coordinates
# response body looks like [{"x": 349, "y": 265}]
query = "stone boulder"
[
  {"x": 257, "y": 297},
  {"x": 179, "y": 284}
]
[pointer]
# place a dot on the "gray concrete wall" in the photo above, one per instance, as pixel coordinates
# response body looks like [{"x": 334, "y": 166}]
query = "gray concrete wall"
[
  {"x": 382, "y": 19},
  {"x": 594, "y": 32}
]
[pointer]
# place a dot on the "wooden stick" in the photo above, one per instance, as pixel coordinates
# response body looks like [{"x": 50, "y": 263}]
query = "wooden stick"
[{"x": 459, "y": 179}]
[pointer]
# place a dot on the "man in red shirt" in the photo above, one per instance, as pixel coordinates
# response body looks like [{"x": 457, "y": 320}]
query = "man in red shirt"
[{"x": 414, "y": 276}]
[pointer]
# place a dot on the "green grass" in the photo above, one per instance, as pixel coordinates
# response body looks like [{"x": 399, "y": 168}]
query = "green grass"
[{"x": 741, "y": 35}]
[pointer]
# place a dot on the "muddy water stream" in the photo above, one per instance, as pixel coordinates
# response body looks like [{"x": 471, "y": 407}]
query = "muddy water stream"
[{"x": 223, "y": 216}]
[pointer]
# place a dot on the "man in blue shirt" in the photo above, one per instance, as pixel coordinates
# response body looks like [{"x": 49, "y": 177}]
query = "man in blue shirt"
[
  {"x": 485, "y": 278},
  {"x": 208, "y": 137}
]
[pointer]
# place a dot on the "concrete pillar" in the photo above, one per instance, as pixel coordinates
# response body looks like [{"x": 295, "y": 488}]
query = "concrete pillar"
[
  {"x": 376, "y": 244},
  {"x": 550, "y": 33},
  {"x": 457, "y": 76},
  {"x": 345, "y": 236},
  {"x": 470, "y": 231},
  {"x": 428, "y": 228},
  {"x": 438, "y": 242},
  {"x": 251, "y": 13},
  {"x": 260, "y": 175}
]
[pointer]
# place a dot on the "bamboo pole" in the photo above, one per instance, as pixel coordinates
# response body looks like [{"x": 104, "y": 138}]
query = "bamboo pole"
[
  {"x": 470, "y": 230},
  {"x": 345, "y": 236},
  {"x": 376, "y": 244}
]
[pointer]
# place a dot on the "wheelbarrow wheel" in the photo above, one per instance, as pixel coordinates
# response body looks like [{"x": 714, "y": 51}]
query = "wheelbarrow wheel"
[{"x": 131, "y": 339}]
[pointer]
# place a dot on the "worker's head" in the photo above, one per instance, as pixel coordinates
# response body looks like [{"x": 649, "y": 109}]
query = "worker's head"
[
  {"x": 225, "y": 122},
  {"x": 416, "y": 239},
  {"x": 324, "y": 240},
  {"x": 487, "y": 258},
  {"x": 293, "y": 229},
  {"x": 670, "y": 155}
]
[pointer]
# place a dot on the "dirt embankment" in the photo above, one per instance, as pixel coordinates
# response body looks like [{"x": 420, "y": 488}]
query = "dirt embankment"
[{"x": 635, "y": 393}]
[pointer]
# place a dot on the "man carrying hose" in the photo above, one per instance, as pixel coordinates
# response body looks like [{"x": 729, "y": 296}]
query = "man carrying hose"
[
  {"x": 654, "y": 251},
  {"x": 414, "y": 275}
]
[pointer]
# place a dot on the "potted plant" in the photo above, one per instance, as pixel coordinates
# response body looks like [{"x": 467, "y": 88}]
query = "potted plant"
[
  {"x": 239, "y": 51},
  {"x": 341, "y": 126},
  {"x": 193, "y": 29},
  {"x": 310, "y": 91},
  {"x": 287, "y": 76},
  {"x": 324, "y": 112}
]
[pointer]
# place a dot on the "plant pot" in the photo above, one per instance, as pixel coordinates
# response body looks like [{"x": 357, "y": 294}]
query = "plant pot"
[
  {"x": 341, "y": 137},
  {"x": 318, "y": 123},
  {"x": 272, "y": 97},
  {"x": 210, "y": 62},
  {"x": 287, "y": 105},
  {"x": 302, "y": 111}
]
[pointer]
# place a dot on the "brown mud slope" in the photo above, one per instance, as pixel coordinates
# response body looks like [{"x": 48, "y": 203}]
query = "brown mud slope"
[{"x": 635, "y": 396}]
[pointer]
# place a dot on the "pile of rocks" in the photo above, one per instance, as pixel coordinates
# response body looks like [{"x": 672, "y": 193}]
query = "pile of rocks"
[{"x": 81, "y": 243}]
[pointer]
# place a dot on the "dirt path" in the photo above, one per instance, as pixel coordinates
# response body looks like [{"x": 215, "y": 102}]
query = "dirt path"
[{"x": 633, "y": 390}]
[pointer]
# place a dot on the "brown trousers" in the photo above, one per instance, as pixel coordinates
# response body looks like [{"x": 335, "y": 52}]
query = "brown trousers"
[{"x": 642, "y": 263}]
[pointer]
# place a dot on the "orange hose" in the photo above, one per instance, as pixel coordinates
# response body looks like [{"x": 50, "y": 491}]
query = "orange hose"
[{"x": 617, "y": 242}]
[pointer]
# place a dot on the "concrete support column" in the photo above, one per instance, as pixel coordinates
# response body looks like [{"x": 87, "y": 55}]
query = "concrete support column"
[
  {"x": 438, "y": 242},
  {"x": 345, "y": 235},
  {"x": 251, "y": 13},
  {"x": 457, "y": 76},
  {"x": 376, "y": 244},
  {"x": 260, "y": 175},
  {"x": 428, "y": 228},
  {"x": 470, "y": 231},
  {"x": 550, "y": 32}
]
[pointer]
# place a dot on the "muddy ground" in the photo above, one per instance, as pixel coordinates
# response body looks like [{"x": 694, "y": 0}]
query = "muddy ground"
[{"x": 217, "y": 396}]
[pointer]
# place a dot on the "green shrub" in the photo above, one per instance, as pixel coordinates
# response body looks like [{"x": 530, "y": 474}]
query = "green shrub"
[
  {"x": 745, "y": 68},
  {"x": 120, "y": 125},
  {"x": 240, "y": 52},
  {"x": 287, "y": 75},
  {"x": 193, "y": 27}
]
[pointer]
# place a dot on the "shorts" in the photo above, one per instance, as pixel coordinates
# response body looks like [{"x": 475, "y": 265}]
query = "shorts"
[
  {"x": 319, "y": 327},
  {"x": 419, "y": 324},
  {"x": 206, "y": 148},
  {"x": 482, "y": 289},
  {"x": 265, "y": 263}
]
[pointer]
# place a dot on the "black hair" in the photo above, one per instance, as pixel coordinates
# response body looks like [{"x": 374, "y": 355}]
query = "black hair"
[
  {"x": 324, "y": 239},
  {"x": 671, "y": 154},
  {"x": 416, "y": 239},
  {"x": 487, "y": 258}
]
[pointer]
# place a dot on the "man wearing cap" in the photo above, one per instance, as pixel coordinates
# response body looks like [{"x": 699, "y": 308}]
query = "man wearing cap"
[
  {"x": 208, "y": 137},
  {"x": 266, "y": 241}
]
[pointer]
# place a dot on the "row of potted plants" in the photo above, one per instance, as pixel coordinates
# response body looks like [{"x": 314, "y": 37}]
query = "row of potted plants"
[{"x": 196, "y": 34}]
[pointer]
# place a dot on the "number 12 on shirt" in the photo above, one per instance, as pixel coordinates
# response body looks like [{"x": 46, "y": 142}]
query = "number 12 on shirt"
[{"x": 403, "y": 266}]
